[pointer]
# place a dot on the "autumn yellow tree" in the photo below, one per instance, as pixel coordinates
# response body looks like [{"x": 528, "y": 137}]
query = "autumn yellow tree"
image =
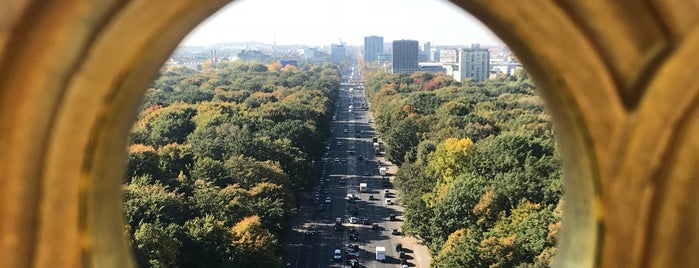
[
  {"x": 254, "y": 243},
  {"x": 447, "y": 162}
]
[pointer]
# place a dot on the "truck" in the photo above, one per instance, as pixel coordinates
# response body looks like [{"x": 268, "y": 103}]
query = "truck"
[
  {"x": 381, "y": 254},
  {"x": 363, "y": 187},
  {"x": 382, "y": 171}
]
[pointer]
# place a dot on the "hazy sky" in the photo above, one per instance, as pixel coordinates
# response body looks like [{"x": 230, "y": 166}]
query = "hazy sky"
[{"x": 323, "y": 22}]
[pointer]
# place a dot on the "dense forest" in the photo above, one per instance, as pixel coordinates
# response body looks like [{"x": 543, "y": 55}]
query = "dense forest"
[
  {"x": 479, "y": 175},
  {"x": 216, "y": 160}
]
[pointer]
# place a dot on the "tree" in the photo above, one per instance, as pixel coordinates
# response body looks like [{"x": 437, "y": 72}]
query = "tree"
[
  {"x": 174, "y": 159},
  {"x": 253, "y": 244},
  {"x": 401, "y": 140},
  {"x": 143, "y": 160},
  {"x": 156, "y": 245},
  {"x": 171, "y": 125},
  {"x": 211, "y": 170},
  {"x": 205, "y": 243}
]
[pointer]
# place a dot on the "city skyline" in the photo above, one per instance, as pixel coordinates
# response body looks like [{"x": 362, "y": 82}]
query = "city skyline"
[{"x": 325, "y": 22}]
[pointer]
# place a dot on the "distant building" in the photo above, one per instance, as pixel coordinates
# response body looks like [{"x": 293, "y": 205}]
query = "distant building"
[
  {"x": 310, "y": 53},
  {"x": 448, "y": 56},
  {"x": 503, "y": 61},
  {"x": 214, "y": 58},
  {"x": 431, "y": 67},
  {"x": 405, "y": 56},
  {"x": 474, "y": 62},
  {"x": 373, "y": 46},
  {"x": 425, "y": 53},
  {"x": 434, "y": 55},
  {"x": 337, "y": 53},
  {"x": 251, "y": 55},
  {"x": 384, "y": 57}
]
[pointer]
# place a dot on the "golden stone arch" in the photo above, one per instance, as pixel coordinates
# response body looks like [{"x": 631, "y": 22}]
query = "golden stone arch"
[{"x": 618, "y": 77}]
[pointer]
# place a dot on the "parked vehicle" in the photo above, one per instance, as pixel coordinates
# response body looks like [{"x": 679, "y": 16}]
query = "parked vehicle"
[
  {"x": 337, "y": 255},
  {"x": 380, "y": 254}
]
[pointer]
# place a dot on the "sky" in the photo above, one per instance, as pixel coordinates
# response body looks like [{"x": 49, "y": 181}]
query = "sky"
[{"x": 325, "y": 22}]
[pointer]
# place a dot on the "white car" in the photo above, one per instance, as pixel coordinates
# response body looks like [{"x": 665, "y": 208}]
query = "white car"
[
  {"x": 338, "y": 255},
  {"x": 327, "y": 199},
  {"x": 388, "y": 201},
  {"x": 352, "y": 220}
]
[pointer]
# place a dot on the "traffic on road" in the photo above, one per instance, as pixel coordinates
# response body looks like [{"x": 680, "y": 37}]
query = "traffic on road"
[{"x": 352, "y": 217}]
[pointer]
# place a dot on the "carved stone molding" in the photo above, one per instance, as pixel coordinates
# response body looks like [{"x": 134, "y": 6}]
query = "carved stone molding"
[{"x": 617, "y": 76}]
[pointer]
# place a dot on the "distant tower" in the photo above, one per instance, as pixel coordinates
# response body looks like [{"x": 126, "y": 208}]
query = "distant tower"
[
  {"x": 474, "y": 62},
  {"x": 214, "y": 59},
  {"x": 373, "y": 46},
  {"x": 405, "y": 56},
  {"x": 337, "y": 53}
]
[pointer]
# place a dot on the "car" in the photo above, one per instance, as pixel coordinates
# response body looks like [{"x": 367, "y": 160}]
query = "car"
[
  {"x": 327, "y": 179},
  {"x": 337, "y": 255},
  {"x": 365, "y": 221},
  {"x": 371, "y": 197},
  {"x": 319, "y": 207},
  {"x": 327, "y": 199},
  {"x": 399, "y": 247},
  {"x": 388, "y": 201},
  {"x": 352, "y": 252},
  {"x": 401, "y": 254},
  {"x": 337, "y": 159},
  {"x": 310, "y": 232},
  {"x": 326, "y": 191},
  {"x": 392, "y": 217},
  {"x": 395, "y": 232},
  {"x": 375, "y": 226},
  {"x": 360, "y": 157},
  {"x": 339, "y": 143},
  {"x": 366, "y": 173},
  {"x": 352, "y": 220}
]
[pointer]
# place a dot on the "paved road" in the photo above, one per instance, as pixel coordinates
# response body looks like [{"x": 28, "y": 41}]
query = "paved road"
[{"x": 350, "y": 157}]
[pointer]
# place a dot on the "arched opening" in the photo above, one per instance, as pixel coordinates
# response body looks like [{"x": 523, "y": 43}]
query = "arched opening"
[{"x": 624, "y": 114}]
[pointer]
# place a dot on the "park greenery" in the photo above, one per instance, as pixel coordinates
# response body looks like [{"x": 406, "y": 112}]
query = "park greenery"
[
  {"x": 479, "y": 175},
  {"x": 217, "y": 157}
]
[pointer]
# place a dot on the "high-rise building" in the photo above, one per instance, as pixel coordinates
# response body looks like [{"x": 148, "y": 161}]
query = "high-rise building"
[
  {"x": 474, "y": 62},
  {"x": 425, "y": 53},
  {"x": 373, "y": 45},
  {"x": 337, "y": 53},
  {"x": 405, "y": 54}
]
